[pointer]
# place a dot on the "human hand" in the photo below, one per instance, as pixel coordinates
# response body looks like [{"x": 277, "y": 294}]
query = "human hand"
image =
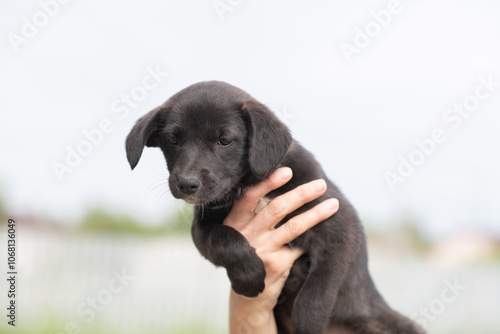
[{"x": 270, "y": 243}]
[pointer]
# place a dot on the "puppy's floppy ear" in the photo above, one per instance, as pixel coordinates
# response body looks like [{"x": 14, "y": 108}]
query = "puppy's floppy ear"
[
  {"x": 143, "y": 133},
  {"x": 268, "y": 138}
]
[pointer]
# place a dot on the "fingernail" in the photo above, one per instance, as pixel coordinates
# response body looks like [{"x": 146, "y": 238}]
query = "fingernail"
[
  {"x": 332, "y": 204},
  {"x": 319, "y": 185},
  {"x": 284, "y": 172}
]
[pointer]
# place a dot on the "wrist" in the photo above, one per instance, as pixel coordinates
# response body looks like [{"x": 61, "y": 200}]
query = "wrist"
[{"x": 251, "y": 315}]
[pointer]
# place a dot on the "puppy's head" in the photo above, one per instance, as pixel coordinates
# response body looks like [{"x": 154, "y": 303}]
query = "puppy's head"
[{"x": 213, "y": 136}]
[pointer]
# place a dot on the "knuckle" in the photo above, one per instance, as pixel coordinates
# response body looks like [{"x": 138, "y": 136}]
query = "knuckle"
[
  {"x": 302, "y": 192},
  {"x": 294, "y": 226},
  {"x": 277, "y": 207}
]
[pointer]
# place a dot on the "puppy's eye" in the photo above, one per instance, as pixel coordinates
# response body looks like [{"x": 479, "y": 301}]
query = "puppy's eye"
[
  {"x": 173, "y": 140},
  {"x": 224, "y": 142}
]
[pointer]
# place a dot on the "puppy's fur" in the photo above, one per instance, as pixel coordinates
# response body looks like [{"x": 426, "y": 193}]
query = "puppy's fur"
[{"x": 217, "y": 141}]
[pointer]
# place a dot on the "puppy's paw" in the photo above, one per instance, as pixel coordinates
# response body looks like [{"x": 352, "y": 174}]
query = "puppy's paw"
[{"x": 247, "y": 277}]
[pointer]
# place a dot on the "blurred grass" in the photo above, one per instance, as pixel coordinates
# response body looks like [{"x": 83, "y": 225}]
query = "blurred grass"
[
  {"x": 101, "y": 221},
  {"x": 55, "y": 329},
  {"x": 193, "y": 329},
  {"x": 407, "y": 236},
  {"x": 55, "y": 325}
]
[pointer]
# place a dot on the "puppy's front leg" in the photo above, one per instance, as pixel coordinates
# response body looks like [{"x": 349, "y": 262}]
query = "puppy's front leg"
[{"x": 224, "y": 246}]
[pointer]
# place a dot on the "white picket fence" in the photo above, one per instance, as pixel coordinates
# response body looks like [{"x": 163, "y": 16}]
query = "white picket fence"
[{"x": 162, "y": 285}]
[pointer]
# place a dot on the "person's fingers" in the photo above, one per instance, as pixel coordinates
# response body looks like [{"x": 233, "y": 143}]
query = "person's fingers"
[
  {"x": 253, "y": 194},
  {"x": 281, "y": 259},
  {"x": 282, "y": 205},
  {"x": 278, "y": 268},
  {"x": 296, "y": 252},
  {"x": 301, "y": 223},
  {"x": 243, "y": 209}
]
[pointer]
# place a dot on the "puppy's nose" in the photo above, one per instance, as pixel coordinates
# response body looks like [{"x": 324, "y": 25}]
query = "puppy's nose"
[{"x": 188, "y": 185}]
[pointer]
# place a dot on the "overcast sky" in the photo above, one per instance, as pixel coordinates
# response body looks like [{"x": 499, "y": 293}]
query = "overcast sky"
[{"x": 398, "y": 100}]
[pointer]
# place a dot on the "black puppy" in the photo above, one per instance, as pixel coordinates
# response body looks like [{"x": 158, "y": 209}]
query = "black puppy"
[{"x": 218, "y": 140}]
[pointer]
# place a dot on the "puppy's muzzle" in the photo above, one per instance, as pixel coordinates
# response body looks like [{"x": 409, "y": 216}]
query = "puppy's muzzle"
[{"x": 188, "y": 185}]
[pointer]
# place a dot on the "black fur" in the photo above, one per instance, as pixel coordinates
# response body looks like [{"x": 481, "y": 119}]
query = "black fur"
[{"x": 329, "y": 285}]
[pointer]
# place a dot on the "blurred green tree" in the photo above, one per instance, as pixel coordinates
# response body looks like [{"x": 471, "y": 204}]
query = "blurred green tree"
[
  {"x": 3, "y": 213},
  {"x": 100, "y": 220}
]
